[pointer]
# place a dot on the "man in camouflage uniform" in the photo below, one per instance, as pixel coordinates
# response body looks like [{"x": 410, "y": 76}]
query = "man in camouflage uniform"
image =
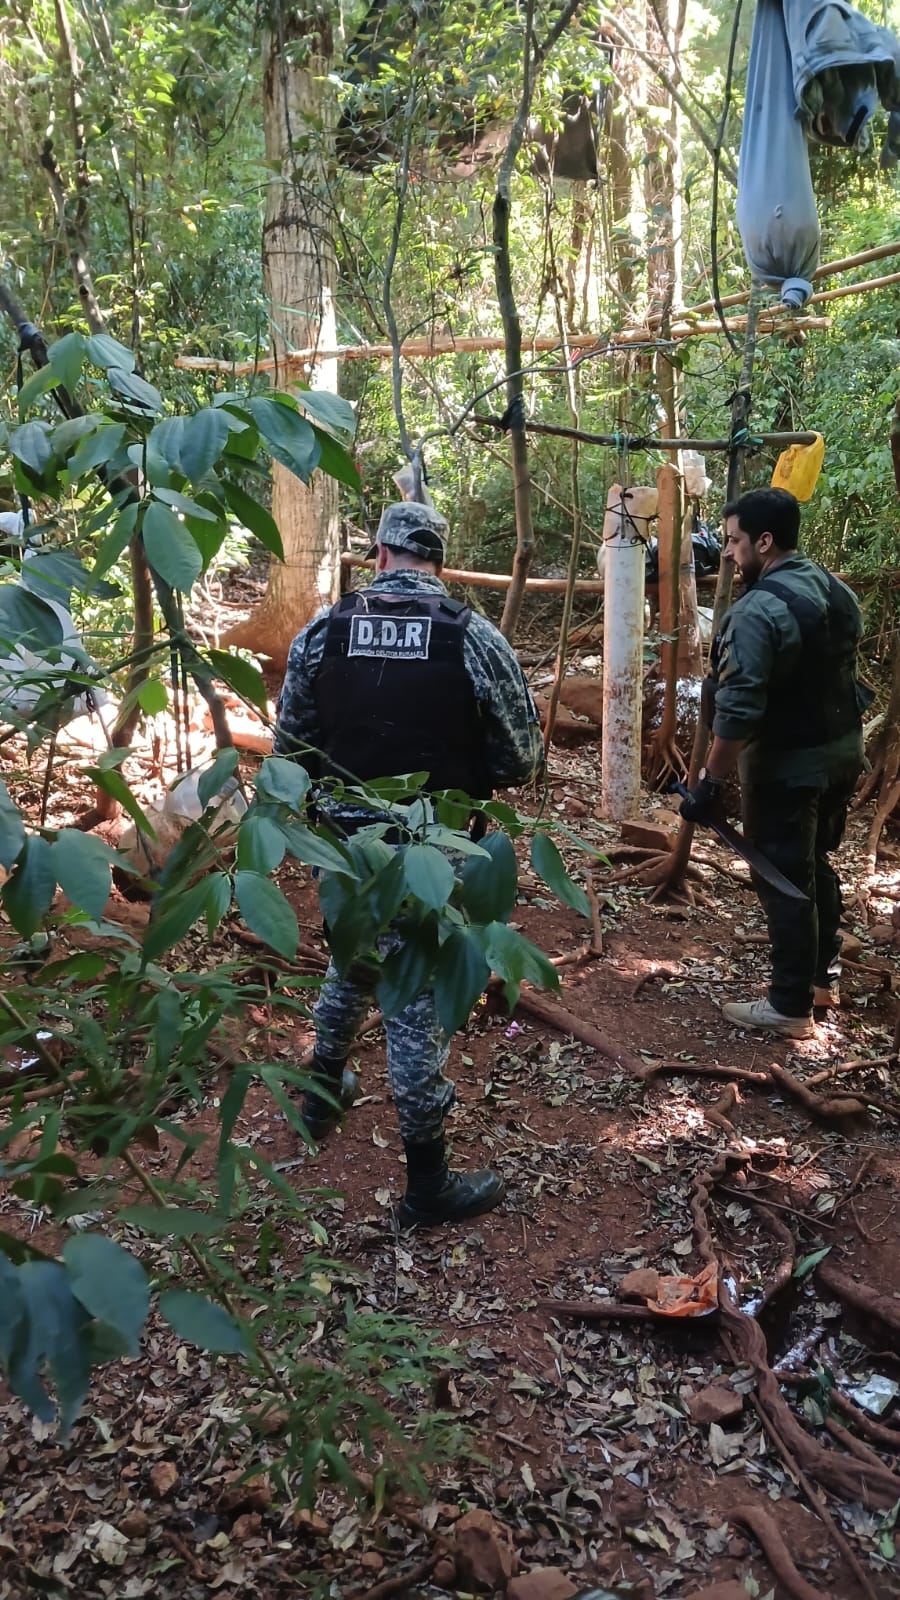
[
  {"x": 788, "y": 713},
  {"x": 400, "y": 678}
]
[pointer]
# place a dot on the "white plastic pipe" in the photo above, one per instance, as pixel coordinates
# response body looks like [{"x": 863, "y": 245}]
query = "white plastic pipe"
[{"x": 626, "y": 528}]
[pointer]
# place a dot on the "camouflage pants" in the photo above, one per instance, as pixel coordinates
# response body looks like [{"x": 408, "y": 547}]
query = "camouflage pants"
[{"x": 417, "y": 1046}]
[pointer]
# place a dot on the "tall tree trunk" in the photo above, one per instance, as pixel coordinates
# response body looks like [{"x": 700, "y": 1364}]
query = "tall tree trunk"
[{"x": 300, "y": 272}]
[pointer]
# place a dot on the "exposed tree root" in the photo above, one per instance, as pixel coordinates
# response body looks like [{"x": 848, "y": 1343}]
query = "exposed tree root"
[
  {"x": 837, "y": 1108},
  {"x": 856, "y": 1447},
  {"x": 648, "y": 1070},
  {"x": 871, "y": 1305},
  {"x": 401, "y": 1580},
  {"x": 850, "y": 1066},
  {"x": 566, "y": 1022},
  {"x": 767, "y": 1535},
  {"x": 601, "y": 1311},
  {"x": 876, "y": 1431}
]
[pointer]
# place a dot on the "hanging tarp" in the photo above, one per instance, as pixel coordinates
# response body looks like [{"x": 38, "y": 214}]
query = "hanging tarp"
[
  {"x": 776, "y": 206},
  {"x": 843, "y": 65}
]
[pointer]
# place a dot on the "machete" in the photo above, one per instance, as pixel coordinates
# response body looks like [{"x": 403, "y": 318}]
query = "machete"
[{"x": 754, "y": 858}]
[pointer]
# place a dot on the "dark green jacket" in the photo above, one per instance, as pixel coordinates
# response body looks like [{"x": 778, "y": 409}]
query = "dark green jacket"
[{"x": 760, "y": 652}]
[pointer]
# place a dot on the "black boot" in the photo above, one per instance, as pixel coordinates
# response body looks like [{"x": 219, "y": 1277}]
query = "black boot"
[
  {"x": 434, "y": 1194},
  {"x": 320, "y": 1115}
]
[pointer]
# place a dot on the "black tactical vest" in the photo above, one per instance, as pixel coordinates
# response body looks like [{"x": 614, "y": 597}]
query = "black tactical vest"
[
  {"x": 820, "y": 700},
  {"x": 393, "y": 694}
]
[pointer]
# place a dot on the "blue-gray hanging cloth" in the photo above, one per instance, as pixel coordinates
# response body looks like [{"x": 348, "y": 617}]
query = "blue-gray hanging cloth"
[{"x": 843, "y": 65}]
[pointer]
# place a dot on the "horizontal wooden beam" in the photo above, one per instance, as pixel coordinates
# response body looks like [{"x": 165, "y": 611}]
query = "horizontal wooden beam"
[
  {"x": 829, "y": 269},
  {"x": 777, "y": 319},
  {"x": 502, "y": 580},
  {"x": 624, "y": 441}
]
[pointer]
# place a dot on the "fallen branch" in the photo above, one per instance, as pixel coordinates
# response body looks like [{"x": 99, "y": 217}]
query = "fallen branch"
[
  {"x": 876, "y": 1431},
  {"x": 600, "y": 1311},
  {"x": 768, "y": 1536},
  {"x": 863, "y": 1452},
  {"x": 859, "y": 1296},
  {"x": 566, "y": 1022},
  {"x": 648, "y": 1070},
  {"x": 850, "y": 1066}
]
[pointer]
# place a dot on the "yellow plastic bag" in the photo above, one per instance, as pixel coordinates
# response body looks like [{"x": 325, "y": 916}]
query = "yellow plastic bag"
[{"x": 797, "y": 468}]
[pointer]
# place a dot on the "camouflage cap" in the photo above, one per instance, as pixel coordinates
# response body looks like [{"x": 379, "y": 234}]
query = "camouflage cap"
[{"x": 411, "y": 526}]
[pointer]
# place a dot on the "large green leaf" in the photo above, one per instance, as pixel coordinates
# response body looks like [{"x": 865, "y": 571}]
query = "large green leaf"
[
  {"x": 288, "y": 436},
  {"x": 331, "y": 410},
  {"x": 514, "y": 959},
  {"x": 67, "y": 357},
  {"x": 104, "y": 351},
  {"x": 54, "y": 1330},
  {"x": 490, "y": 882},
  {"x": 335, "y": 462},
  {"x": 53, "y": 574},
  {"x": 255, "y": 517},
  {"x": 113, "y": 784},
  {"x": 171, "y": 551},
  {"x": 283, "y": 780},
  {"x": 176, "y": 501},
  {"x": 82, "y": 865},
  {"x": 31, "y": 445},
  {"x": 203, "y": 1323},
  {"x": 173, "y": 917},
  {"x": 135, "y": 389},
  {"x": 12, "y": 828},
  {"x": 549, "y": 865},
  {"x": 34, "y": 386},
  {"x": 116, "y": 540},
  {"x": 173, "y": 1222},
  {"x": 266, "y": 912},
  {"x": 218, "y": 899},
  {"x": 407, "y": 970},
  {"x": 110, "y": 1284},
  {"x": 210, "y": 782},
  {"x": 95, "y": 450},
  {"x": 261, "y": 843},
  {"x": 240, "y": 675},
  {"x": 315, "y": 850},
  {"x": 202, "y": 442},
  {"x": 461, "y": 975},
  {"x": 429, "y": 875},
  {"x": 165, "y": 439},
  {"x": 12, "y": 1308},
  {"x": 28, "y": 892}
]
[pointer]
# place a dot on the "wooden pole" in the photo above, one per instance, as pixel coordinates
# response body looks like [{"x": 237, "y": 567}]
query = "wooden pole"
[
  {"x": 640, "y": 442},
  {"x": 828, "y": 269}
]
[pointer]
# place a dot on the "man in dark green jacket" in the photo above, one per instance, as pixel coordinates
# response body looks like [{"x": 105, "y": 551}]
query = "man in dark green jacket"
[{"x": 788, "y": 715}]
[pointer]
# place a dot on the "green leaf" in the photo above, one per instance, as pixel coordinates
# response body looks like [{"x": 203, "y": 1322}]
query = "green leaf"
[
  {"x": 315, "y": 850},
  {"x": 67, "y": 357},
  {"x": 104, "y": 351},
  {"x": 211, "y": 781},
  {"x": 25, "y": 620},
  {"x": 331, "y": 410},
  {"x": 53, "y": 574},
  {"x": 288, "y": 436},
  {"x": 95, "y": 450},
  {"x": 113, "y": 784},
  {"x": 808, "y": 1264},
  {"x": 32, "y": 389},
  {"x": 335, "y": 462},
  {"x": 12, "y": 1308},
  {"x": 241, "y": 676},
  {"x": 171, "y": 551},
  {"x": 549, "y": 866},
  {"x": 82, "y": 864},
  {"x": 407, "y": 970},
  {"x": 176, "y": 501},
  {"x": 283, "y": 780},
  {"x": 28, "y": 892},
  {"x": 173, "y": 917},
  {"x": 202, "y": 1322},
  {"x": 429, "y": 875},
  {"x": 165, "y": 440},
  {"x": 202, "y": 442},
  {"x": 110, "y": 1284},
  {"x": 514, "y": 959},
  {"x": 135, "y": 389},
  {"x": 261, "y": 843},
  {"x": 152, "y": 697},
  {"x": 31, "y": 444},
  {"x": 116, "y": 540},
  {"x": 218, "y": 899},
  {"x": 255, "y": 517},
  {"x": 266, "y": 912},
  {"x": 172, "y": 1222},
  {"x": 461, "y": 975},
  {"x": 55, "y": 1331},
  {"x": 12, "y": 828},
  {"x": 490, "y": 882}
]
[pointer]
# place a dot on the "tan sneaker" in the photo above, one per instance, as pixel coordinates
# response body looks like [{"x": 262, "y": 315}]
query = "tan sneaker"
[
  {"x": 825, "y": 998},
  {"x": 759, "y": 1014}
]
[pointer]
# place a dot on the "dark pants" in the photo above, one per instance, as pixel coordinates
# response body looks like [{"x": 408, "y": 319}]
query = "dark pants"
[{"x": 796, "y": 829}]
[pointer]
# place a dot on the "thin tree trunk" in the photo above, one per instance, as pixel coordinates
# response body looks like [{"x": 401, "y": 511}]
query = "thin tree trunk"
[{"x": 299, "y": 264}]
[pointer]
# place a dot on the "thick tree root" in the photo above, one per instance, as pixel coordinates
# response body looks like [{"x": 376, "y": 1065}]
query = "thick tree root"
[
  {"x": 648, "y": 1070},
  {"x": 767, "y": 1535},
  {"x": 838, "y": 1108},
  {"x": 871, "y": 1305},
  {"x": 566, "y": 1022}
]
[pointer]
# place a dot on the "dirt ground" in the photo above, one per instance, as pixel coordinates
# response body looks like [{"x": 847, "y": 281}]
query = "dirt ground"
[{"x": 582, "y": 1444}]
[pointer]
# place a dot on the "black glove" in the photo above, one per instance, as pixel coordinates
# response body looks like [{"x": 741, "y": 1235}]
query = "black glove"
[{"x": 703, "y": 801}]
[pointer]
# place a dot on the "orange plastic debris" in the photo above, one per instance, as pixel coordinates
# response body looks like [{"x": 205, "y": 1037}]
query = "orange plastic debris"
[{"x": 687, "y": 1297}]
